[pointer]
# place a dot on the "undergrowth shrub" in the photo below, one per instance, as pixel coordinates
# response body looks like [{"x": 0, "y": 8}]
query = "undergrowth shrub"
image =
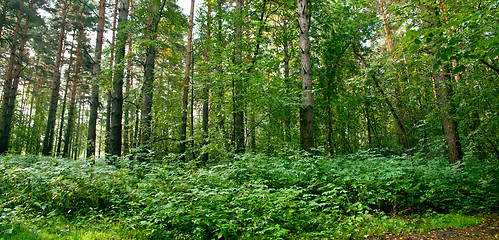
[{"x": 291, "y": 195}]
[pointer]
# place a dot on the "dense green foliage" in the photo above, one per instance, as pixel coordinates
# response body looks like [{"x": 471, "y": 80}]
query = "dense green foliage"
[{"x": 290, "y": 195}]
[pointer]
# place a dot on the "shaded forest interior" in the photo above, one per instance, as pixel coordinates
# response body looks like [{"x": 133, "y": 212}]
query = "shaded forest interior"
[
  {"x": 90, "y": 78},
  {"x": 243, "y": 119}
]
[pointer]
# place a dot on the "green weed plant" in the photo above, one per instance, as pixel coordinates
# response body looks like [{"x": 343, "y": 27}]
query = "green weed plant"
[{"x": 292, "y": 195}]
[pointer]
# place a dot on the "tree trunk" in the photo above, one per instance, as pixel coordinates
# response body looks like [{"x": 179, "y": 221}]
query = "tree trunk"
[
  {"x": 117, "y": 95},
  {"x": 71, "y": 111},
  {"x": 307, "y": 107},
  {"x": 64, "y": 100},
  {"x": 94, "y": 99},
  {"x": 239, "y": 85},
  {"x": 206, "y": 88},
  {"x": 8, "y": 88},
  {"x": 287, "y": 84},
  {"x": 109, "y": 95},
  {"x": 48, "y": 140},
  {"x": 128, "y": 136},
  {"x": 444, "y": 93},
  {"x": 185, "y": 98}
]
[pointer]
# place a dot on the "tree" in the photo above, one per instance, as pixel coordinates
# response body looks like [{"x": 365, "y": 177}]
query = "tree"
[
  {"x": 8, "y": 89},
  {"x": 48, "y": 140},
  {"x": 94, "y": 99},
  {"x": 117, "y": 94},
  {"x": 147, "y": 87},
  {"x": 185, "y": 98},
  {"x": 307, "y": 108},
  {"x": 71, "y": 111}
]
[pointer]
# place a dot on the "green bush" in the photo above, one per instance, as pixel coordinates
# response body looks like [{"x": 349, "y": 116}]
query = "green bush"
[{"x": 292, "y": 195}]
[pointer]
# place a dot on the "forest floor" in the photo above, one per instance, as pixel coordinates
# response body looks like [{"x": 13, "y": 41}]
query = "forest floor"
[{"x": 489, "y": 229}]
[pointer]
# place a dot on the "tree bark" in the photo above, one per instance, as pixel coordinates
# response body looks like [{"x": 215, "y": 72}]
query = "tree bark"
[
  {"x": 206, "y": 87},
  {"x": 117, "y": 95},
  {"x": 72, "y": 104},
  {"x": 8, "y": 88},
  {"x": 109, "y": 93},
  {"x": 48, "y": 140},
  {"x": 185, "y": 98},
  {"x": 94, "y": 99},
  {"x": 444, "y": 93},
  {"x": 307, "y": 107},
  {"x": 239, "y": 85}
]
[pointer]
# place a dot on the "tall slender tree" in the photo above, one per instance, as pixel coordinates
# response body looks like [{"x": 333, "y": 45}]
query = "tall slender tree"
[
  {"x": 238, "y": 107},
  {"x": 117, "y": 94},
  {"x": 94, "y": 98},
  {"x": 8, "y": 88},
  {"x": 185, "y": 98},
  {"x": 74, "y": 87},
  {"x": 48, "y": 139},
  {"x": 307, "y": 107},
  {"x": 11, "y": 93}
]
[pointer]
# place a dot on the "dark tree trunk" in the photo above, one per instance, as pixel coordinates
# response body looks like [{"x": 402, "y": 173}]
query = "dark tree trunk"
[
  {"x": 72, "y": 104},
  {"x": 239, "y": 85},
  {"x": 117, "y": 95},
  {"x": 206, "y": 88},
  {"x": 8, "y": 88},
  {"x": 109, "y": 95},
  {"x": 64, "y": 100},
  {"x": 48, "y": 140},
  {"x": 94, "y": 99},
  {"x": 307, "y": 107},
  {"x": 147, "y": 96},
  {"x": 185, "y": 98}
]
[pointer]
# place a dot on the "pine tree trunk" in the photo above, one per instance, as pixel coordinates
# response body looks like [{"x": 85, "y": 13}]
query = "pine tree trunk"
[
  {"x": 307, "y": 107},
  {"x": 185, "y": 97},
  {"x": 109, "y": 95},
  {"x": 48, "y": 140},
  {"x": 8, "y": 89},
  {"x": 94, "y": 99},
  {"x": 64, "y": 100},
  {"x": 72, "y": 104},
  {"x": 117, "y": 95}
]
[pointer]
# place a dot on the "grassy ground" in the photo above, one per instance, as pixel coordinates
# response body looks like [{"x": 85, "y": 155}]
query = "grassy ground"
[{"x": 365, "y": 227}]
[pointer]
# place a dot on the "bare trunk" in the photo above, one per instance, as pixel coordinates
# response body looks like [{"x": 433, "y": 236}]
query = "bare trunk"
[
  {"x": 117, "y": 95},
  {"x": 185, "y": 98},
  {"x": 48, "y": 140},
  {"x": 239, "y": 85},
  {"x": 94, "y": 99},
  {"x": 109, "y": 95},
  {"x": 206, "y": 87},
  {"x": 64, "y": 100},
  {"x": 8, "y": 88},
  {"x": 307, "y": 107},
  {"x": 287, "y": 84},
  {"x": 444, "y": 93},
  {"x": 72, "y": 104}
]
